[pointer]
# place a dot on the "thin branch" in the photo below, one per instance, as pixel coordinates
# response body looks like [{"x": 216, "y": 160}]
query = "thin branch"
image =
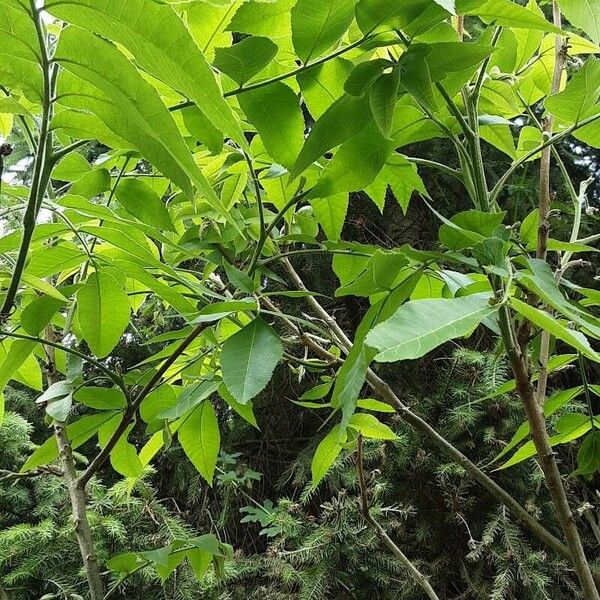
[
  {"x": 424, "y": 162},
  {"x": 41, "y": 173},
  {"x": 83, "y": 531},
  {"x": 32, "y": 338},
  {"x": 386, "y": 393},
  {"x": 58, "y": 154},
  {"x": 130, "y": 412},
  {"x": 269, "y": 228},
  {"x": 549, "y": 142},
  {"x": 283, "y": 76},
  {"x": 418, "y": 577}
]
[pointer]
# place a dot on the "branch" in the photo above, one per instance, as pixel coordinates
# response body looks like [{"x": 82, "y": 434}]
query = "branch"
[
  {"x": 77, "y": 497},
  {"x": 269, "y": 228},
  {"x": 549, "y": 142},
  {"x": 41, "y": 172},
  {"x": 424, "y": 162},
  {"x": 58, "y": 154},
  {"x": 419, "y": 578},
  {"x": 545, "y": 454},
  {"x": 419, "y": 424},
  {"x": 32, "y": 338},
  {"x": 130, "y": 412},
  {"x": 283, "y": 76}
]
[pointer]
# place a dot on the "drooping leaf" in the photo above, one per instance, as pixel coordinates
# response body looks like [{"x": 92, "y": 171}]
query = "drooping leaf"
[
  {"x": 78, "y": 433},
  {"x": 548, "y": 323},
  {"x": 200, "y": 439},
  {"x": 274, "y": 110},
  {"x": 103, "y": 312},
  {"x": 345, "y": 118},
  {"x": 248, "y": 359},
  {"x": 356, "y": 163},
  {"x": 552, "y": 404},
  {"x": 588, "y": 456},
  {"x": 382, "y": 99},
  {"x": 150, "y": 31},
  {"x": 420, "y": 15},
  {"x": 331, "y": 213},
  {"x": 140, "y": 200},
  {"x": 506, "y": 14},
  {"x": 326, "y": 453},
  {"x": 20, "y": 51},
  {"x": 123, "y": 457},
  {"x": 371, "y": 427},
  {"x": 98, "y": 78}
]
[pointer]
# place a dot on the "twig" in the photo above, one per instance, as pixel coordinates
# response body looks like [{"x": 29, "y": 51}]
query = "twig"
[{"x": 419, "y": 578}]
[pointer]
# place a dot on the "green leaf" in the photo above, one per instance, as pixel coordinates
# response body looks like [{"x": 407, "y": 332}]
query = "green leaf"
[
  {"x": 202, "y": 129},
  {"x": 20, "y": 51},
  {"x": 323, "y": 84},
  {"x": 17, "y": 363},
  {"x": 364, "y": 75},
  {"x": 246, "y": 411},
  {"x": 543, "y": 284},
  {"x": 248, "y": 359},
  {"x": 356, "y": 163},
  {"x": 59, "y": 399},
  {"x": 319, "y": 24},
  {"x": 92, "y": 183},
  {"x": 102, "y": 312},
  {"x": 375, "y": 405},
  {"x": 156, "y": 402},
  {"x": 326, "y": 453},
  {"x": 418, "y": 14},
  {"x": 382, "y": 99},
  {"x": 38, "y": 313},
  {"x": 78, "y": 433},
  {"x": 152, "y": 31},
  {"x": 419, "y": 326},
  {"x": 552, "y": 404},
  {"x": 245, "y": 59},
  {"x": 468, "y": 228},
  {"x": 141, "y": 201},
  {"x": 501, "y": 137},
  {"x": 331, "y": 214},
  {"x": 98, "y": 78},
  {"x": 274, "y": 110},
  {"x": 584, "y": 14},
  {"x": 555, "y": 363},
  {"x": 370, "y": 427},
  {"x": 200, "y": 439},
  {"x": 240, "y": 280},
  {"x": 548, "y": 323},
  {"x": 403, "y": 178},
  {"x": 271, "y": 19},
  {"x": 123, "y": 457},
  {"x": 588, "y": 456},
  {"x": 48, "y": 261},
  {"x": 101, "y": 398},
  {"x": 191, "y": 396},
  {"x": 505, "y": 13},
  {"x": 570, "y": 427},
  {"x": 71, "y": 168},
  {"x": 346, "y": 117},
  {"x": 579, "y": 96}
]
